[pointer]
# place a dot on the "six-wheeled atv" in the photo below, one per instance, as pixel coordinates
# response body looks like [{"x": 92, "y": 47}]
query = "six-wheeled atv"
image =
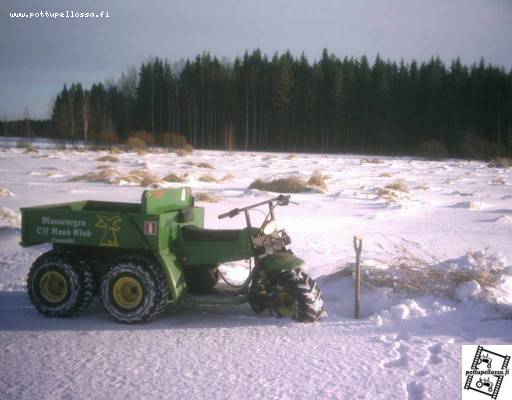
[{"x": 142, "y": 257}]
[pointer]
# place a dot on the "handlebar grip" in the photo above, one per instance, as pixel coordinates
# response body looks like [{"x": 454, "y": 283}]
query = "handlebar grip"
[{"x": 230, "y": 214}]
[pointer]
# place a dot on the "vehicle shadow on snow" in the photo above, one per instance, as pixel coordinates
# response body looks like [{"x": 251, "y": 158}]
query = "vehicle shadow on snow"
[{"x": 18, "y": 314}]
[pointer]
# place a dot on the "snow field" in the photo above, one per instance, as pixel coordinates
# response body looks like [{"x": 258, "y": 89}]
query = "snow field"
[{"x": 455, "y": 214}]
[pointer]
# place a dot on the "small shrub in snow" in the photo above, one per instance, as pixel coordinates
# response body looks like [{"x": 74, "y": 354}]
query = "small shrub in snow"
[
  {"x": 500, "y": 162},
  {"x": 104, "y": 176},
  {"x": 292, "y": 184},
  {"x": 206, "y": 197},
  {"x": 205, "y": 165},
  {"x": 135, "y": 144},
  {"x": 399, "y": 186},
  {"x": 174, "y": 178},
  {"x": 184, "y": 151},
  {"x": 108, "y": 158},
  {"x": 227, "y": 177},
  {"x": 30, "y": 149},
  {"x": 151, "y": 180},
  {"x": 317, "y": 179},
  {"x": 422, "y": 187},
  {"x": 138, "y": 176},
  {"x": 207, "y": 178}
]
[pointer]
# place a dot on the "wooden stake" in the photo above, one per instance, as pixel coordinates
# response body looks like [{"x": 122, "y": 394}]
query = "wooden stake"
[{"x": 358, "y": 245}]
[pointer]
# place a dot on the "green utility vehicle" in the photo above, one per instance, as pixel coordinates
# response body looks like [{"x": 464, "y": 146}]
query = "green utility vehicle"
[{"x": 142, "y": 257}]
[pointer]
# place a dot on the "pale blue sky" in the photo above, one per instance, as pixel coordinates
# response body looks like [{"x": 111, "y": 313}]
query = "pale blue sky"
[{"x": 38, "y": 56}]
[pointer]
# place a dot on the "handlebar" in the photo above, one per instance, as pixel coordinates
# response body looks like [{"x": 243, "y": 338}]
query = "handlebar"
[
  {"x": 233, "y": 213},
  {"x": 282, "y": 200}
]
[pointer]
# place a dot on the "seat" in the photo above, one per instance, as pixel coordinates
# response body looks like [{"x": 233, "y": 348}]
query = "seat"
[{"x": 192, "y": 233}]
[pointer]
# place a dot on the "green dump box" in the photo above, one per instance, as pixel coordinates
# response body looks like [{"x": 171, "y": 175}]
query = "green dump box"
[{"x": 151, "y": 225}]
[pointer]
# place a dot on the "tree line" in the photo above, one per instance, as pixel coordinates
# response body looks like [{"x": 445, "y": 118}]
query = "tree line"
[{"x": 288, "y": 103}]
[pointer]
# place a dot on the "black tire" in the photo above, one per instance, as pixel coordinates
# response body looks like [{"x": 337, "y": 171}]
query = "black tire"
[
  {"x": 295, "y": 295},
  {"x": 69, "y": 294},
  {"x": 258, "y": 299},
  {"x": 202, "y": 278},
  {"x": 152, "y": 292}
]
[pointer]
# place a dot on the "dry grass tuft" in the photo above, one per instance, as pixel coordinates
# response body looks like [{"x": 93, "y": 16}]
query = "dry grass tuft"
[
  {"x": 227, "y": 177},
  {"x": 205, "y": 165},
  {"x": 207, "y": 178},
  {"x": 292, "y": 184},
  {"x": 174, "y": 178},
  {"x": 206, "y": 197},
  {"x": 108, "y": 158},
  {"x": 317, "y": 179},
  {"x": 151, "y": 180},
  {"x": 389, "y": 196},
  {"x": 419, "y": 275},
  {"x": 30, "y": 149},
  {"x": 399, "y": 186},
  {"x": 106, "y": 175},
  {"x": 422, "y": 187}
]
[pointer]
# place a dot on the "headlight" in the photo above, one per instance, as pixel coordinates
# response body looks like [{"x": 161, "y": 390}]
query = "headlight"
[{"x": 270, "y": 227}]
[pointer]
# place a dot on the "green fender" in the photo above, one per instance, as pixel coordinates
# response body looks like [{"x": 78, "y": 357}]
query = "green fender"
[{"x": 282, "y": 260}]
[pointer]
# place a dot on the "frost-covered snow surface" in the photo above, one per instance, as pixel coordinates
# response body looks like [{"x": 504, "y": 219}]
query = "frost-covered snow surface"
[{"x": 407, "y": 345}]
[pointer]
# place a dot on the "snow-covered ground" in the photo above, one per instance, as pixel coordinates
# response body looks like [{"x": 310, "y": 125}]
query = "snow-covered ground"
[{"x": 457, "y": 216}]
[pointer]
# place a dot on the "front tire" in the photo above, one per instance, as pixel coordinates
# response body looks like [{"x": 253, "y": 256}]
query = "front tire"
[
  {"x": 134, "y": 290},
  {"x": 59, "y": 285},
  {"x": 293, "y": 294}
]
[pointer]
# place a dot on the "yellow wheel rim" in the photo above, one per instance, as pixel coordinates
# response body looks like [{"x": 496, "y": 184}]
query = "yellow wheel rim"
[
  {"x": 286, "y": 306},
  {"x": 127, "y": 292},
  {"x": 53, "y": 286}
]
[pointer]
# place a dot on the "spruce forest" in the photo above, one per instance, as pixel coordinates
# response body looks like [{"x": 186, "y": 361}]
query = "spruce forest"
[{"x": 287, "y": 103}]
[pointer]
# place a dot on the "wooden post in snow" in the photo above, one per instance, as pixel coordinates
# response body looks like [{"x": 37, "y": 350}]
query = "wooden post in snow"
[{"x": 358, "y": 245}]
